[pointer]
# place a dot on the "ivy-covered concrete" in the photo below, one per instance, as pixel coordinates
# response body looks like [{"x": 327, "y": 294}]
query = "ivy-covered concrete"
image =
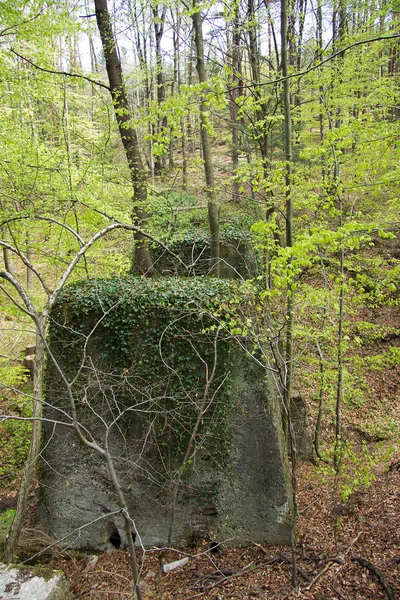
[{"x": 169, "y": 379}]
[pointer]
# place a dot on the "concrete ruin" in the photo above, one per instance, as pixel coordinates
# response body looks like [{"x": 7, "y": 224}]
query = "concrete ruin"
[
  {"x": 237, "y": 258},
  {"x": 141, "y": 393}
]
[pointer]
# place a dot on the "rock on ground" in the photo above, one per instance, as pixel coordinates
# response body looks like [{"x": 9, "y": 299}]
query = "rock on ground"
[{"x": 28, "y": 583}]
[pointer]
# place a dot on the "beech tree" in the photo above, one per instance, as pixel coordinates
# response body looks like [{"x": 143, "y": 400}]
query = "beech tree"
[
  {"x": 128, "y": 134},
  {"x": 213, "y": 209}
]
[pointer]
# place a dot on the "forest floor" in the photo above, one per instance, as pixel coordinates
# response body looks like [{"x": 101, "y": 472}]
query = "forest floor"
[
  {"x": 345, "y": 550},
  {"x": 348, "y": 547},
  {"x": 334, "y": 546}
]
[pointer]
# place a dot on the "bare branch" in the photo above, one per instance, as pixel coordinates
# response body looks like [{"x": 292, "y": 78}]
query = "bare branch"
[
  {"x": 30, "y": 309},
  {"x": 315, "y": 66},
  {"x": 27, "y": 263},
  {"x": 65, "y": 73}
]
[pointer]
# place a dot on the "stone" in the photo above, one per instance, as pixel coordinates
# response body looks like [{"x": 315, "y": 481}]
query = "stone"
[
  {"x": 236, "y": 484},
  {"x": 27, "y": 583},
  {"x": 237, "y": 258}
]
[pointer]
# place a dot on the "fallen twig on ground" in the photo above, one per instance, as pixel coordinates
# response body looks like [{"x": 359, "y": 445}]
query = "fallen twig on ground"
[
  {"x": 339, "y": 560},
  {"x": 298, "y": 569},
  {"x": 371, "y": 567}
]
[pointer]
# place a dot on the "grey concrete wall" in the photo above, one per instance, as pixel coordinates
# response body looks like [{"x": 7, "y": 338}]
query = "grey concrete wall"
[
  {"x": 237, "y": 259},
  {"x": 236, "y": 485}
]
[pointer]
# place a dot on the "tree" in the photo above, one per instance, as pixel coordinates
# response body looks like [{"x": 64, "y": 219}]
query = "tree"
[
  {"x": 16, "y": 293},
  {"x": 213, "y": 208},
  {"x": 128, "y": 134}
]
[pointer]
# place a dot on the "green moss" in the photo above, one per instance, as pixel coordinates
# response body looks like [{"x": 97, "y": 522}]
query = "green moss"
[
  {"x": 193, "y": 247},
  {"x": 156, "y": 344}
]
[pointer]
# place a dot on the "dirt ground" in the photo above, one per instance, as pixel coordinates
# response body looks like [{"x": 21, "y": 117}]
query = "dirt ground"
[
  {"x": 349, "y": 552},
  {"x": 346, "y": 550}
]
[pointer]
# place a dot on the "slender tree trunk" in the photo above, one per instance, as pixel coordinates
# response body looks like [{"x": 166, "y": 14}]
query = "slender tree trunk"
[
  {"x": 9, "y": 261},
  {"x": 299, "y": 46},
  {"x": 261, "y": 109},
  {"x": 29, "y": 257},
  {"x": 264, "y": 108},
  {"x": 127, "y": 521},
  {"x": 272, "y": 36},
  {"x": 247, "y": 150},
  {"x": 340, "y": 366},
  {"x": 11, "y": 541},
  {"x": 177, "y": 53},
  {"x": 213, "y": 209},
  {"x": 128, "y": 135},
  {"x": 319, "y": 31},
  {"x": 162, "y": 124},
  {"x": 237, "y": 85},
  {"x": 338, "y": 34},
  {"x": 339, "y": 383},
  {"x": 288, "y": 194},
  {"x": 191, "y": 144},
  {"x": 290, "y": 286}
]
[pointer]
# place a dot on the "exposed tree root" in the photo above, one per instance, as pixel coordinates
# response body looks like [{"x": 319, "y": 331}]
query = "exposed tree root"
[{"x": 368, "y": 565}]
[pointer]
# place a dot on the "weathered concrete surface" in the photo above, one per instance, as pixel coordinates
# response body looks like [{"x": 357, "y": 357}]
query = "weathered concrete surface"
[
  {"x": 237, "y": 259},
  {"x": 26, "y": 583},
  {"x": 254, "y": 500},
  {"x": 245, "y": 500},
  {"x": 235, "y": 484}
]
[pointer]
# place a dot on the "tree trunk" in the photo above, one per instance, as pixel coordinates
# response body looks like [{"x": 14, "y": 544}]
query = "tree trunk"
[
  {"x": 9, "y": 261},
  {"x": 11, "y": 541},
  {"x": 213, "y": 210},
  {"x": 177, "y": 57},
  {"x": 290, "y": 286},
  {"x": 162, "y": 124},
  {"x": 128, "y": 135},
  {"x": 237, "y": 85},
  {"x": 319, "y": 40}
]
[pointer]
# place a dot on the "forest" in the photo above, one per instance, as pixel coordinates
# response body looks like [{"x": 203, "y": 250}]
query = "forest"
[{"x": 194, "y": 195}]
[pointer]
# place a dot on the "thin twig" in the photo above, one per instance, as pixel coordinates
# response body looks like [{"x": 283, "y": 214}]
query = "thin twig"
[
  {"x": 65, "y": 73},
  {"x": 334, "y": 561}
]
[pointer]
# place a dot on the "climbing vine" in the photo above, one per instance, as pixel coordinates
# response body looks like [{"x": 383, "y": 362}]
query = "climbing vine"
[{"x": 164, "y": 351}]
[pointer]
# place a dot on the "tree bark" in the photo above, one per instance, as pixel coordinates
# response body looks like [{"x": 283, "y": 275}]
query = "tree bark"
[
  {"x": 128, "y": 135},
  {"x": 177, "y": 57},
  {"x": 162, "y": 124},
  {"x": 237, "y": 90},
  {"x": 8, "y": 261},
  {"x": 11, "y": 541},
  {"x": 213, "y": 210},
  {"x": 290, "y": 287}
]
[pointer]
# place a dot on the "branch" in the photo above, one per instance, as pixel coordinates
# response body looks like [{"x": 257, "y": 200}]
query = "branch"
[
  {"x": 138, "y": 230},
  {"x": 65, "y": 73},
  {"x": 322, "y": 62},
  {"x": 98, "y": 235},
  {"x": 4, "y": 418},
  {"x": 368, "y": 565},
  {"x": 27, "y": 263},
  {"x": 77, "y": 530},
  {"x": 30, "y": 309},
  {"x": 339, "y": 560},
  {"x": 7, "y": 31},
  {"x": 49, "y": 219}
]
